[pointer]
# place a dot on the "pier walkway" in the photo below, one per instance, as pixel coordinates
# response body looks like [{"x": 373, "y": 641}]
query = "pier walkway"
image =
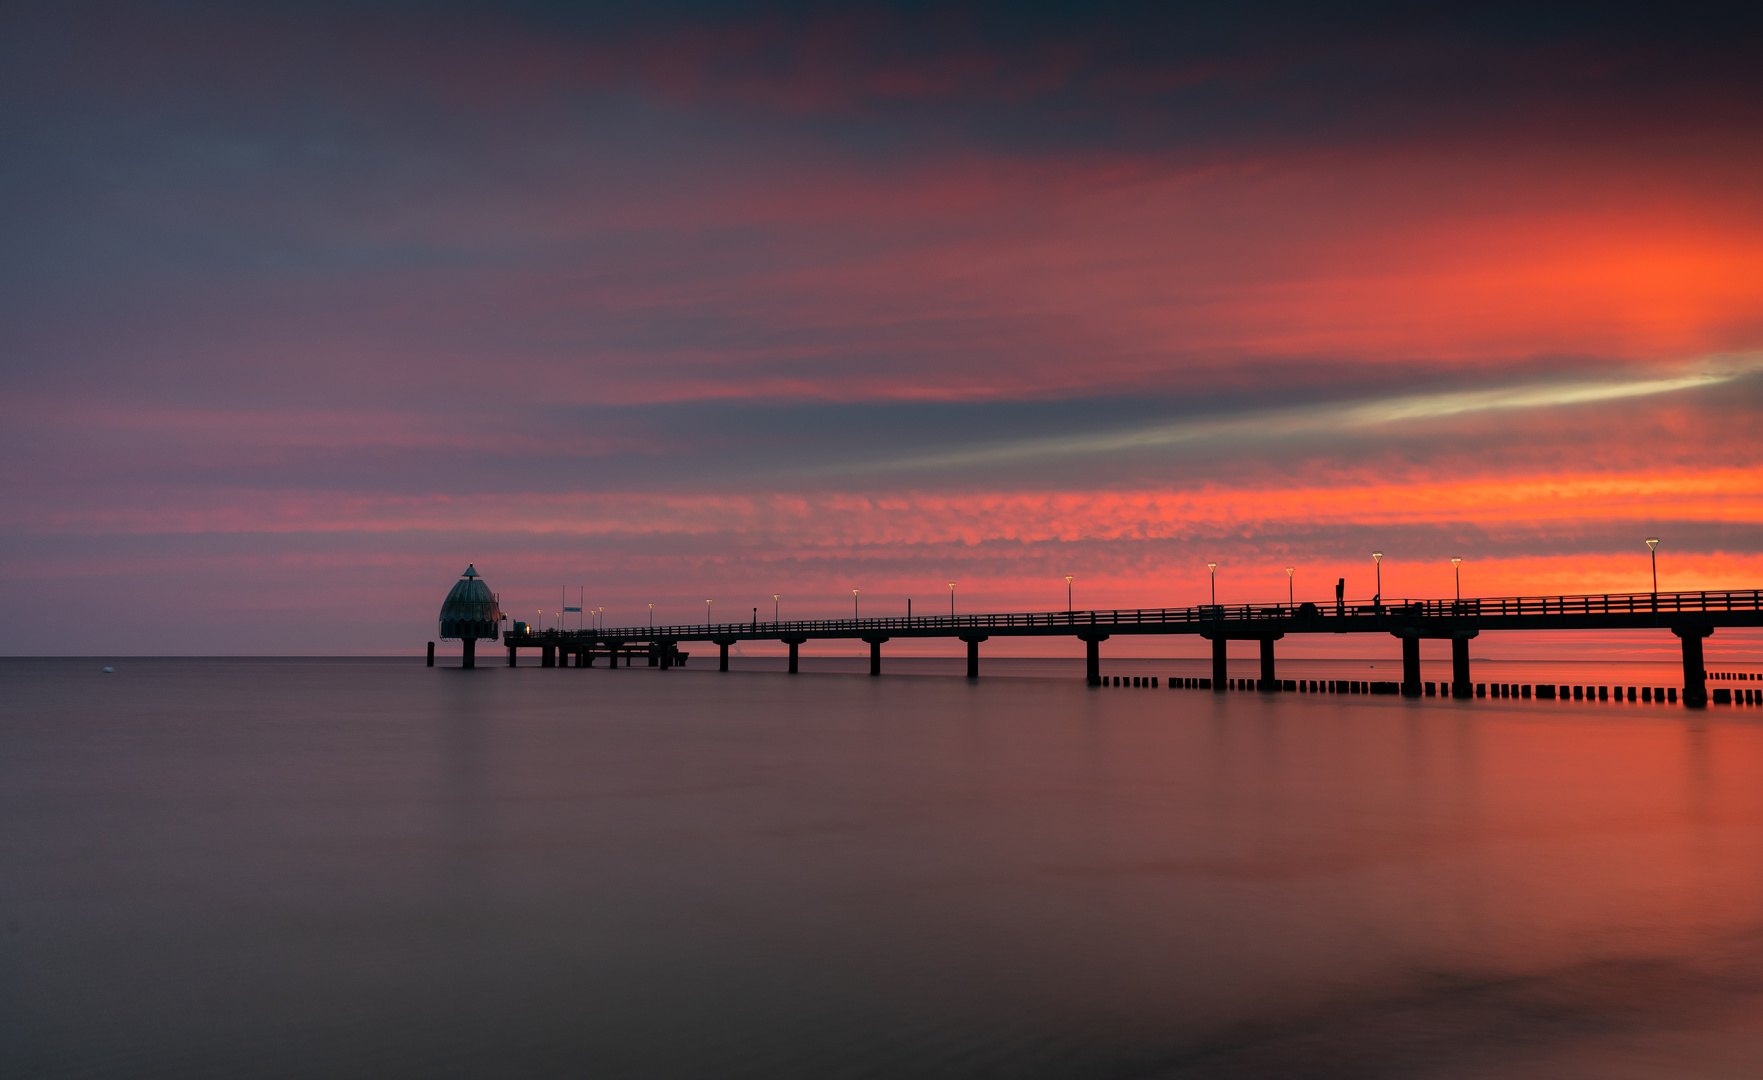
[{"x": 1691, "y": 616}]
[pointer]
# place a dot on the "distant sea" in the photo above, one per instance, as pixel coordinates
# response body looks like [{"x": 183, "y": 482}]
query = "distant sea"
[{"x": 369, "y": 868}]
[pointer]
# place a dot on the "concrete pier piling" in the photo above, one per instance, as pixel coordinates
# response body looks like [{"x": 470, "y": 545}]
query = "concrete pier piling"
[
  {"x": 1220, "y": 665},
  {"x": 431, "y": 654},
  {"x": 1093, "y": 658},
  {"x": 1460, "y": 685},
  {"x": 1269, "y": 681},
  {"x": 973, "y": 654},
  {"x": 1411, "y": 667},
  {"x": 1695, "y": 676}
]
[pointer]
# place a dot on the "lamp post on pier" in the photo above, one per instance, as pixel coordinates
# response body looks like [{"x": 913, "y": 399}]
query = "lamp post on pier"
[
  {"x": 651, "y": 616},
  {"x": 1377, "y": 559},
  {"x": 1068, "y": 578},
  {"x": 1457, "y": 572},
  {"x": 1653, "y": 552},
  {"x": 951, "y": 600},
  {"x": 707, "y": 621},
  {"x": 853, "y": 605},
  {"x": 1290, "y": 602},
  {"x": 1212, "y": 568},
  {"x": 774, "y": 607}
]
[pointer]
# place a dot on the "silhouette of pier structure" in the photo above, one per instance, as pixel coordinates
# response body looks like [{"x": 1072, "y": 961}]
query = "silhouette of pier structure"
[{"x": 1690, "y": 616}]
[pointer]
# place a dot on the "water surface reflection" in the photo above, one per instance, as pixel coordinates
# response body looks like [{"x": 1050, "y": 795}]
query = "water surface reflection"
[{"x": 370, "y": 868}]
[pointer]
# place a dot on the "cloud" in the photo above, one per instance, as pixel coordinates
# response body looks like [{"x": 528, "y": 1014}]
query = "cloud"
[
  {"x": 717, "y": 291},
  {"x": 1327, "y": 419}
]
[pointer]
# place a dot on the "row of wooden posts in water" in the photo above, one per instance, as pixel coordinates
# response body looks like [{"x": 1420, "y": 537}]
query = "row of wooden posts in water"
[{"x": 1543, "y": 691}]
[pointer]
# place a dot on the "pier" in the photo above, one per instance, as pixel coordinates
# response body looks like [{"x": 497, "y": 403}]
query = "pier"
[{"x": 1689, "y": 616}]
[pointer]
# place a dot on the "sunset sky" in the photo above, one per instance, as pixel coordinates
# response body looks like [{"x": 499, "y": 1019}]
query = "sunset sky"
[{"x": 302, "y": 308}]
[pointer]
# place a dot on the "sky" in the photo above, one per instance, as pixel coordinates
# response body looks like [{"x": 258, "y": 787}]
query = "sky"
[{"x": 304, "y": 307}]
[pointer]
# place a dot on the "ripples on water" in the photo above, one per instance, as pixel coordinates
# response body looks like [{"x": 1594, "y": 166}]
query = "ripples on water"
[{"x": 369, "y": 868}]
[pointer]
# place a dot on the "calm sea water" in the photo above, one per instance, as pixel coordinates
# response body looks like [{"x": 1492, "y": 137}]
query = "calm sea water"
[{"x": 369, "y": 868}]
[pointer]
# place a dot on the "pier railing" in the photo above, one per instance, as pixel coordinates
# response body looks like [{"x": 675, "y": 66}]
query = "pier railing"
[{"x": 1372, "y": 612}]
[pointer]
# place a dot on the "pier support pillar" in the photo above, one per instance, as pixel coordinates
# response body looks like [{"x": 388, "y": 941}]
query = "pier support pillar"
[
  {"x": 973, "y": 654},
  {"x": 431, "y": 654},
  {"x": 1460, "y": 685},
  {"x": 471, "y": 652},
  {"x": 1269, "y": 680},
  {"x": 724, "y": 643},
  {"x": 1220, "y": 669},
  {"x": 875, "y": 644},
  {"x": 548, "y": 656},
  {"x": 1695, "y": 677},
  {"x": 511, "y": 654},
  {"x": 792, "y": 642},
  {"x": 1410, "y": 667},
  {"x": 1093, "y": 659}
]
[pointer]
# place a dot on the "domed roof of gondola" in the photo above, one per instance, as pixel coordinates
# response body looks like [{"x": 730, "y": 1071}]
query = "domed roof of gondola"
[{"x": 470, "y": 610}]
